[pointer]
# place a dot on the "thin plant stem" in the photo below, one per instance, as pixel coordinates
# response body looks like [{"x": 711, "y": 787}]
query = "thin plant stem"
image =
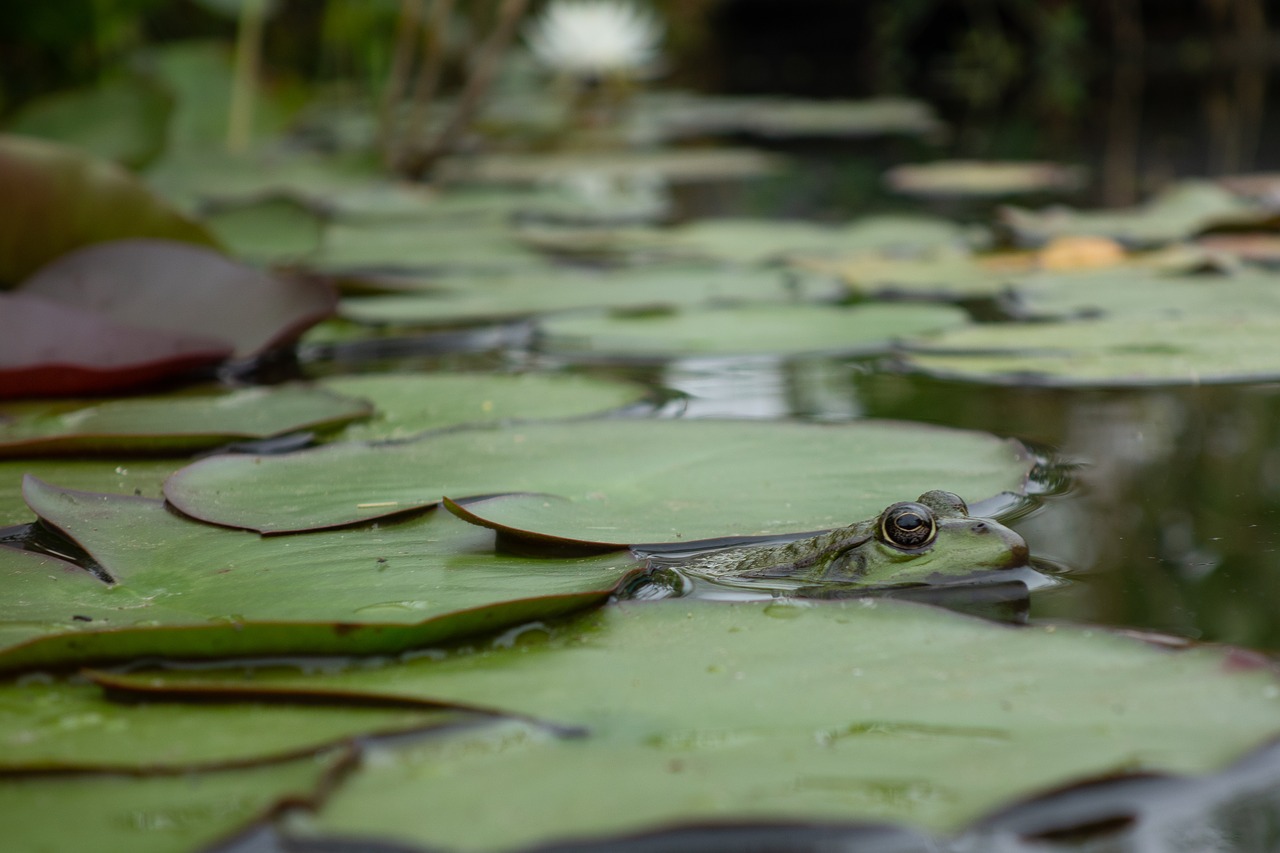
[
  {"x": 244, "y": 84},
  {"x": 407, "y": 25},
  {"x": 419, "y": 161},
  {"x": 427, "y": 81}
]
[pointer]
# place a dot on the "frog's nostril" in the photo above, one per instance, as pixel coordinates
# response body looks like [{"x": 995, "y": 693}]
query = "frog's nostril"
[{"x": 981, "y": 527}]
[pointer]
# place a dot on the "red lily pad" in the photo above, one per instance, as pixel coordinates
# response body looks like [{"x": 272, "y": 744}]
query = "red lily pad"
[
  {"x": 51, "y": 349},
  {"x": 57, "y": 198},
  {"x": 185, "y": 289}
]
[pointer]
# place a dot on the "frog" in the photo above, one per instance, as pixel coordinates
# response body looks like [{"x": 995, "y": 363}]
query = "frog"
[{"x": 930, "y": 540}]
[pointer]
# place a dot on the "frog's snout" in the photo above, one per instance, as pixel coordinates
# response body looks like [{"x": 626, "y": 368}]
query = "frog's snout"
[{"x": 1012, "y": 544}]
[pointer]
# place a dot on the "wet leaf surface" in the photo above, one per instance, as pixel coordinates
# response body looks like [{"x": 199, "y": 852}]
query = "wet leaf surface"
[
  {"x": 409, "y": 404},
  {"x": 58, "y": 199},
  {"x": 48, "y": 348},
  {"x": 154, "y": 814},
  {"x": 693, "y": 713},
  {"x": 655, "y": 481},
  {"x": 762, "y": 329},
  {"x": 179, "y": 288},
  {"x": 170, "y": 424},
  {"x": 186, "y": 589}
]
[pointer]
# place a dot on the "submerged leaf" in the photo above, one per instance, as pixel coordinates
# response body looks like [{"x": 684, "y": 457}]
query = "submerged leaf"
[{"x": 638, "y": 481}]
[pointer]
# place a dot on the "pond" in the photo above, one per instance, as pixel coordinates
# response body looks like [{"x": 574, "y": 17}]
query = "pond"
[{"x": 375, "y": 533}]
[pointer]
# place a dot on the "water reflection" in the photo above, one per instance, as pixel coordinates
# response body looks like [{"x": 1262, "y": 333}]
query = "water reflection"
[{"x": 1171, "y": 523}]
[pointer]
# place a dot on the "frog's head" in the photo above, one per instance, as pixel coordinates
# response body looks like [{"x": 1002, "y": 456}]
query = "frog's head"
[{"x": 931, "y": 539}]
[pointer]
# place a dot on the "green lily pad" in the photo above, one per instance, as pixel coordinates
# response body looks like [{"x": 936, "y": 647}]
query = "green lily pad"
[
  {"x": 1148, "y": 296},
  {"x": 200, "y": 179},
  {"x": 1181, "y": 211},
  {"x": 58, "y": 199},
  {"x": 409, "y": 404},
  {"x": 60, "y": 726},
  {"x": 1126, "y": 351},
  {"x": 761, "y": 239},
  {"x": 185, "y": 589},
  {"x": 170, "y": 424},
  {"x": 130, "y": 476},
  {"x": 351, "y": 191},
  {"x": 518, "y": 296},
  {"x": 747, "y": 241},
  {"x": 122, "y": 119},
  {"x": 671, "y": 165},
  {"x": 937, "y": 275},
  {"x": 199, "y": 76},
  {"x": 703, "y": 711},
  {"x": 411, "y": 245},
  {"x": 656, "y": 481},
  {"x": 158, "y": 814},
  {"x": 983, "y": 178},
  {"x": 676, "y": 115},
  {"x": 273, "y": 228},
  {"x": 764, "y": 329}
]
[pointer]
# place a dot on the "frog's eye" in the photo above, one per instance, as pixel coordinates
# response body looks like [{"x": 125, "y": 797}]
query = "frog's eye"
[{"x": 908, "y": 525}]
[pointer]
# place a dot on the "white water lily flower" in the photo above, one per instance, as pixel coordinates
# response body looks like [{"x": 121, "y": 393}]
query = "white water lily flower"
[{"x": 595, "y": 38}]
